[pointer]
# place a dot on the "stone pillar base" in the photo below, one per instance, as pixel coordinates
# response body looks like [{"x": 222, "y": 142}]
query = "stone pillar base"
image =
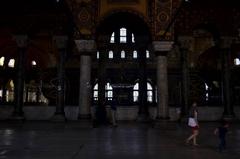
[
  {"x": 58, "y": 118},
  {"x": 84, "y": 116}
]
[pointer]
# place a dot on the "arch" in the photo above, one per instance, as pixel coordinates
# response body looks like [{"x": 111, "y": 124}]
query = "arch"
[
  {"x": 129, "y": 11},
  {"x": 129, "y": 19}
]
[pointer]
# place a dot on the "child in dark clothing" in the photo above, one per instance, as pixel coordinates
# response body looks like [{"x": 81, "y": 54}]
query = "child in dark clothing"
[{"x": 222, "y": 131}]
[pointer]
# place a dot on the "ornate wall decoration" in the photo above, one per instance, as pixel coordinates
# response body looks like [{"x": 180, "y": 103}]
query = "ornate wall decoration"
[
  {"x": 162, "y": 18},
  {"x": 84, "y": 14},
  {"x": 123, "y": 1}
]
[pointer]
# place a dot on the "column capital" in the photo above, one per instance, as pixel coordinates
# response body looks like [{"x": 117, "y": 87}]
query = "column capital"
[
  {"x": 21, "y": 40},
  {"x": 162, "y": 46},
  {"x": 185, "y": 42},
  {"x": 60, "y": 41},
  {"x": 85, "y": 46},
  {"x": 226, "y": 42}
]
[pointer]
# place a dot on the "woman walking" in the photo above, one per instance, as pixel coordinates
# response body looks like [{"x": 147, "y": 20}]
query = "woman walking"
[{"x": 193, "y": 123}]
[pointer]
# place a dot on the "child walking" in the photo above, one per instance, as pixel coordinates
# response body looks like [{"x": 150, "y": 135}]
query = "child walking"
[{"x": 221, "y": 131}]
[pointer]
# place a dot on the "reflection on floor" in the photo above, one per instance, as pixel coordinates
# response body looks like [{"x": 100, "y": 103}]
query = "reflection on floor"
[{"x": 75, "y": 140}]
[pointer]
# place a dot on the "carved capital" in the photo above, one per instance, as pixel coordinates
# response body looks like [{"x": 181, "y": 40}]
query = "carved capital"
[
  {"x": 84, "y": 46},
  {"x": 61, "y": 41},
  {"x": 162, "y": 46},
  {"x": 21, "y": 40},
  {"x": 185, "y": 42}
]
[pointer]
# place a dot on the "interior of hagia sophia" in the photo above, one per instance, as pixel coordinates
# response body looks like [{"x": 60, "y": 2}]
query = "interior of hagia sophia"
[{"x": 73, "y": 59}]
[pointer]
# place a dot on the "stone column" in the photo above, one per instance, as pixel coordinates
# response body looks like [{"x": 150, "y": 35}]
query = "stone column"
[
  {"x": 161, "y": 48},
  {"x": 19, "y": 89},
  {"x": 143, "y": 113},
  {"x": 61, "y": 43},
  {"x": 185, "y": 43},
  {"x": 86, "y": 48},
  {"x": 226, "y": 76}
]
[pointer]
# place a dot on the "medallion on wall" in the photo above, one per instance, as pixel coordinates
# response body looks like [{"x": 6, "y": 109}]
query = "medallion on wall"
[{"x": 163, "y": 13}]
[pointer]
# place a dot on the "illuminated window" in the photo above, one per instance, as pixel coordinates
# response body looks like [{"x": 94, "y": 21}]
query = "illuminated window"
[
  {"x": 97, "y": 54},
  {"x": 206, "y": 94},
  {"x": 110, "y": 54},
  {"x": 123, "y": 55},
  {"x": 108, "y": 91},
  {"x": 10, "y": 91},
  {"x": 236, "y": 61},
  {"x": 32, "y": 95},
  {"x": 123, "y": 35},
  {"x": 147, "y": 54},
  {"x": 136, "y": 92},
  {"x": 1, "y": 93},
  {"x": 95, "y": 92},
  {"x": 2, "y": 61},
  {"x": 133, "y": 38},
  {"x": 11, "y": 63},
  {"x": 112, "y": 40},
  {"x": 135, "y": 54},
  {"x": 34, "y": 63},
  {"x": 149, "y": 93}
]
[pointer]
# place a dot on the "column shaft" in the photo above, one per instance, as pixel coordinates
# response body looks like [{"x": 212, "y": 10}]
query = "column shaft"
[
  {"x": 162, "y": 87},
  {"x": 18, "y": 109},
  {"x": 85, "y": 86},
  {"x": 228, "y": 107},
  {"x": 61, "y": 87}
]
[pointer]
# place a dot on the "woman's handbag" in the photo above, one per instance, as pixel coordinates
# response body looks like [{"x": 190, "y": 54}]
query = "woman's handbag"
[{"x": 192, "y": 122}]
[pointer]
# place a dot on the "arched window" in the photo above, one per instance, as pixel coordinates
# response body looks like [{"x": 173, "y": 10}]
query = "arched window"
[
  {"x": 135, "y": 54},
  {"x": 236, "y": 61},
  {"x": 123, "y": 55},
  {"x": 11, "y": 63},
  {"x": 133, "y": 38},
  {"x": 123, "y": 35},
  {"x": 110, "y": 54},
  {"x": 147, "y": 54},
  {"x": 136, "y": 92},
  {"x": 108, "y": 91},
  {"x": 206, "y": 94},
  {"x": 149, "y": 92},
  {"x": 95, "y": 92},
  {"x": 10, "y": 91},
  {"x": 112, "y": 40},
  {"x": 1, "y": 93},
  {"x": 2, "y": 61},
  {"x": 97, "y": 54}
]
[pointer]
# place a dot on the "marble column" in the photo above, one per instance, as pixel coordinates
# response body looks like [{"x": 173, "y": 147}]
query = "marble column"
[
  {"x": 86, "y": 48},
  {"x": 61, "y": 44},
  {"x": 185, "y": 43},
  {"x": 161, "y": 48},
  {"x": 21, "y": 41},
  {"x": 226, "y": 76}
]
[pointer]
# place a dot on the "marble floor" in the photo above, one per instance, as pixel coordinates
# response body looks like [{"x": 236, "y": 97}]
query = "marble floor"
[{"x": 79, "y": 140}]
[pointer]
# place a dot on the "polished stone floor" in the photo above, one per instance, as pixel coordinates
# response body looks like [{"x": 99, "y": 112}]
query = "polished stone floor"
[{"x": 78, "y": 140}]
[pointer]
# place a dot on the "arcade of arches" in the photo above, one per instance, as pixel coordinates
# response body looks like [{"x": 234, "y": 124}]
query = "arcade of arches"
[{"x": 72, "y": 59}]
